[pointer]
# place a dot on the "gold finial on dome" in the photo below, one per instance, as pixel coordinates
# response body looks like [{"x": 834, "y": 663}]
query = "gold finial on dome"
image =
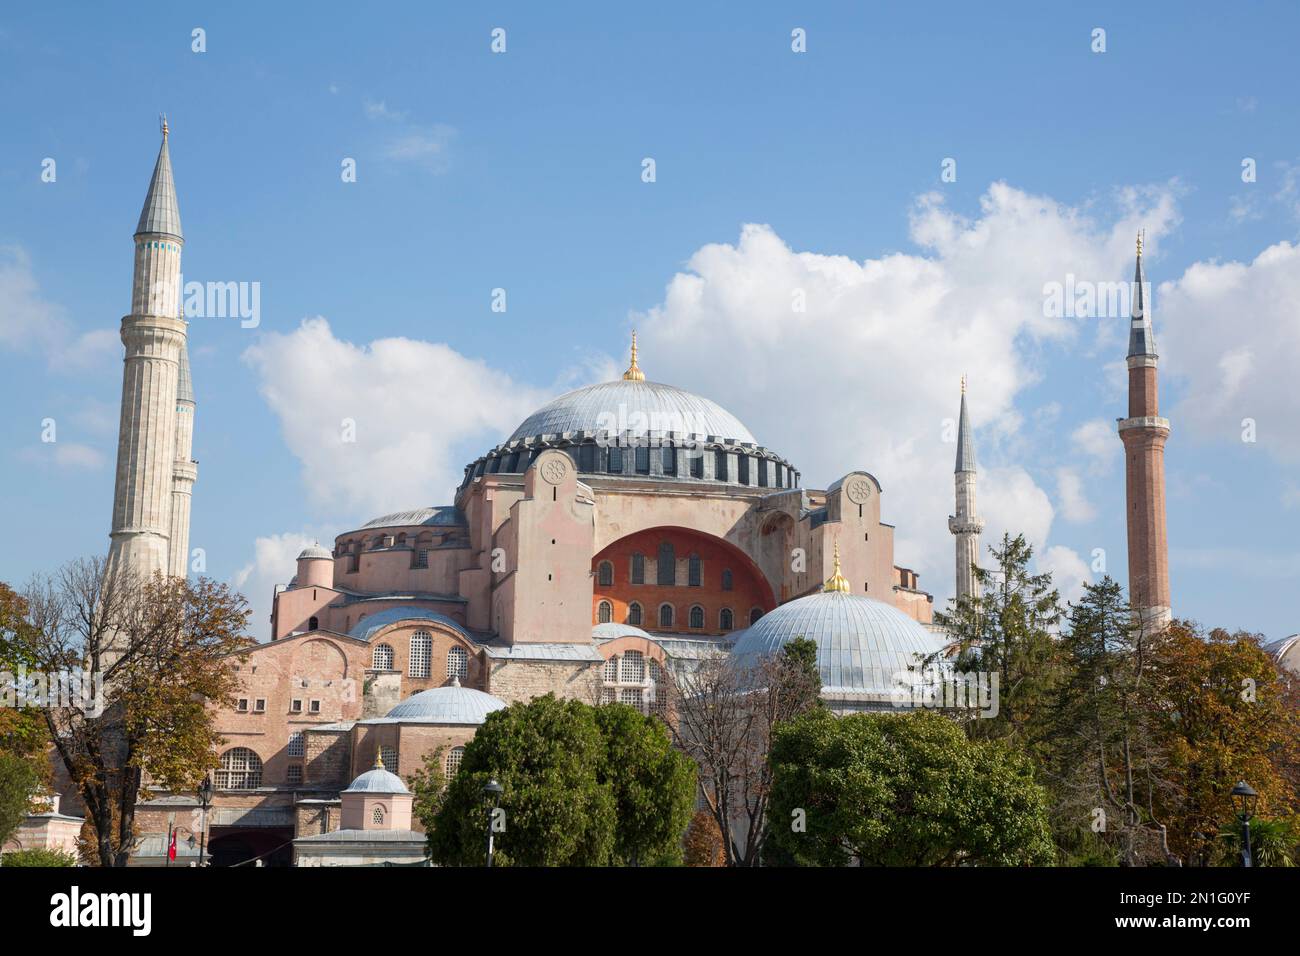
[
  {"x": 379, "y": 759},
  {"x": 1140, "y": 243},
  {"x": 837, "y": 581},
  {"x": 633, "y": 374}
]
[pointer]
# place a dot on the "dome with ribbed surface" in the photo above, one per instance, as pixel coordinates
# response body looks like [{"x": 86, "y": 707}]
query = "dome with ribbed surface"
[
  {"x": 641, "y": 408},
  {"x": 442, "y": 516},
  {"x": 377, "y": 780},
  {"x": 862, "y": 644},
  {"x": 447, "y": 705},
  {"x": 316, "y": 553}
]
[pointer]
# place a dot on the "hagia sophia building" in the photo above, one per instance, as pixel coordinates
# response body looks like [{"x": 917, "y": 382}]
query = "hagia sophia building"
[{"x": 622, "y": 530}]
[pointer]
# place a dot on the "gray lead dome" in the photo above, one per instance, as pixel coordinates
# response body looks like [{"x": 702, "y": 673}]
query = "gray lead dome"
[{"x": 646, "y": 409}]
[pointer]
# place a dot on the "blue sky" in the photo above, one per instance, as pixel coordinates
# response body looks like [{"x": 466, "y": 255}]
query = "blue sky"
[{"x": 522, "y": 171}]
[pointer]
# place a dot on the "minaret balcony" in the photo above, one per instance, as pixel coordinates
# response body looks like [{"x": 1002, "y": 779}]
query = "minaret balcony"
[{"x": 1143, "y": 421}]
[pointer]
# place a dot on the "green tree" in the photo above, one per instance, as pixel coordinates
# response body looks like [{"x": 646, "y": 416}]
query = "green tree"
[
  {"x": 1272, "y": 842},
  {"x": 652, "y": 783},
  {"x": 887, "y": 789},
  {"x": 1101, "y": 758},
  {"x": 1008, "y": 631},
  {"x": 44, "y": 858},
  {"x": 429, "y": 785},
  {"x": 163, "y": 650},
  {"x": 19, "y": 782}
]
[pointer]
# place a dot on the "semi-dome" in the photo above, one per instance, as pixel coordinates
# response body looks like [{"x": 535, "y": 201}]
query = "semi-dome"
[
  {"x": 314, "y": 552},
  {"x": 862, "y": 644},
  {"x": 447, "y": 705},
  {"x": 643, "y": 409},
  {"x": 365, "y": 628}
]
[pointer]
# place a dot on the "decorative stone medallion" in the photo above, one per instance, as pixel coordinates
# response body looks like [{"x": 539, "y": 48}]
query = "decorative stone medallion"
[
  {"x": 858, "y": 490},
  {"x": 554, "y": 470}
]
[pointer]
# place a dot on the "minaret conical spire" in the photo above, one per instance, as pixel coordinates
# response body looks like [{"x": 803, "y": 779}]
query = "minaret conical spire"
[
  {"x": 965, "y": 443},
  {"x": 161, "y": 214},
  {"x": 1141, "y": 337}
]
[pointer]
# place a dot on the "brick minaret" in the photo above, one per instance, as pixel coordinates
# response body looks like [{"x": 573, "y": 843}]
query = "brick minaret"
[
  {"x": 154, "y": 336},
  {"x": 1144, "y": 434},
  {"x": 965, "y": 525}
]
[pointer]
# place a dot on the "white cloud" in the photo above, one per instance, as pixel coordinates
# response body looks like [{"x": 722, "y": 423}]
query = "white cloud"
[
  {"x": 30, "y": 323},
  {"x": 1069, "y": 571},
  {"x": 866, "y": 376},
  {"x": 1229, "y": 334},
  {"x": 426, "y": 145},
  {"x": 421, "y": 412},
  {"x": 1075, "y": 505},
  {"x": 1099, "y": 443},
  {"x": 64, "y": 454},
  {"x": 273, "y": 563}
]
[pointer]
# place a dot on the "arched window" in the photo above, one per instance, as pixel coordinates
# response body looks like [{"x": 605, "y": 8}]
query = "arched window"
[
  {"x": 604, "y": 612},
  {"x": 727, "y": 582},
  {"x": 634, "y": 614},
  {"x": 667, "y": 564},
  {"x": 377, "y": 816},
  {"x": 421, "y": 653},
  {"x": 312, "y": 624},
  {"x": 605, "y": 574},
  {"x": 454, "y": 756},
  {"x": 297, "y": 746},
  {"x": 726, "y": 620},
  {"x": 389, "y": 756},
  {"x": 241, "y": 769},
  {"x": 381, "y": 658},
  {"x": 638, "y": 568},
  {"x": 697, "y": 616},
  {"x": 694, "y": 571},
  {"x": 457, "y": 663},
  {"x": 632, "y": 669},
  {"x": 611, "y": 669},
  {"x": 755, "y": 614},
  {"x": 665, "y": 615}
]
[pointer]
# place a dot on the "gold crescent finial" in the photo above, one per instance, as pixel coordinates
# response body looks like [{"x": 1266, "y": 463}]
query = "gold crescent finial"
[
  {"x": 164, "y": 124},
  {"x": 837, "y": 581},
  {"x": 633, "y": 373},
  {"x": 1140, "y": 234},
  {"x": 379, "y": 759}
]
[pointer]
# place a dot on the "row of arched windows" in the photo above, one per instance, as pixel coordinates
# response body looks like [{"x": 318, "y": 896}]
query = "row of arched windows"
[
  {"x": 381, "y": 657},
  {"x": 667, "y": 616},
  {"x": 666, "y": 573}
]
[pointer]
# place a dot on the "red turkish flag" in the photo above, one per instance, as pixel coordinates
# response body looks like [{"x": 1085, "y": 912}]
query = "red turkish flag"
[{"x": 171, "y": 847}]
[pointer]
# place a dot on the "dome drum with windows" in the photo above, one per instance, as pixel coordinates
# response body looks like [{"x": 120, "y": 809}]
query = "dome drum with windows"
[{"x": 639, "y": 429}]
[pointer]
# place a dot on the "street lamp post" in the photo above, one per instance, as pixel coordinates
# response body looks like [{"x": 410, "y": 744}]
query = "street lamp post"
[
  {"x": 1244, "y": 795},
  {"x": 493, "y": 791},
  {"x": 204, "y": 794}
]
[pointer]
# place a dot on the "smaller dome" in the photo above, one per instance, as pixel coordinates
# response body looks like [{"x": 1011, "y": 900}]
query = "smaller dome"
[
  {"x": 442, "y": 516},
  {"x": 314, "y": 552},
  {"x": 377, "y": 780},
  {"x": 447, "y": 705},
  {"x": 365, "y": 628},
  {"x": 612, "y": 629}
]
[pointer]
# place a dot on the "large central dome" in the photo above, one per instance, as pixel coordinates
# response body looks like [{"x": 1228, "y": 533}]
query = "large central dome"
[
  {"x": 641, "y": 409},
  {"x": 638, "y": 429}
]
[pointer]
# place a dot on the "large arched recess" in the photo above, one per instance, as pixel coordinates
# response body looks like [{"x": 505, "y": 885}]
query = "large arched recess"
[{"x": 749, "y": 586}]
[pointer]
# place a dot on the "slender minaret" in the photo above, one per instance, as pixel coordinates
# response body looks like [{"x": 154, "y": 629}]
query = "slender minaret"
[
  {"x": 154, "y": 337},
  {"x": 1144, "y": 434},
  {"x": 965, "y": 524},
  {"x": 185, "y": 470}
]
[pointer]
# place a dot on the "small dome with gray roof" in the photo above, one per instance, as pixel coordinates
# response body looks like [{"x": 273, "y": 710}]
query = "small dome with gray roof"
[
  {"x": 377, "y": 780},
  {"x": 446, "y": 705},
  {"x": 314, "y": 552}
]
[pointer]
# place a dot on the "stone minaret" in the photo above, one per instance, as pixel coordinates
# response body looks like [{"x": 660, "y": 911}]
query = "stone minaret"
[
  {"x": 965, "y": 524},
  {"x": 185, "y": 470},
  {"x": 154, "y": 336},
  {"x": 1144, "y": 434}
]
